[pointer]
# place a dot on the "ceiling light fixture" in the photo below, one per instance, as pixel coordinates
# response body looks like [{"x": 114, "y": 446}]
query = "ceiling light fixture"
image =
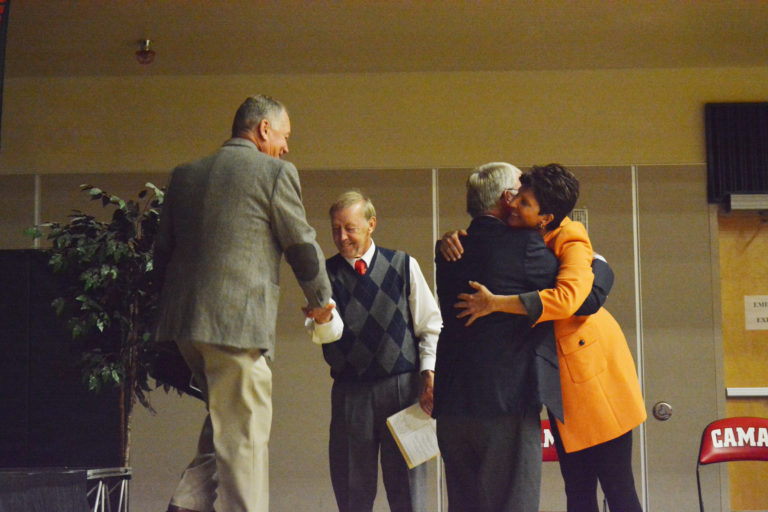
[{"x": 145, "y": 54}]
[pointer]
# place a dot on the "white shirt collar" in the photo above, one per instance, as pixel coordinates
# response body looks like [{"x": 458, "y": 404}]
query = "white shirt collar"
[{"x": 367, "y": 257}]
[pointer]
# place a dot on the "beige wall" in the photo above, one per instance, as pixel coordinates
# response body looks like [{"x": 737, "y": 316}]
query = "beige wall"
[{"x": 136, "y": 124}]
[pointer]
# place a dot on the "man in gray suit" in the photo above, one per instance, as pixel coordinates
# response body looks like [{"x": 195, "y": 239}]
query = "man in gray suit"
[{"x": 226, "y": 221}]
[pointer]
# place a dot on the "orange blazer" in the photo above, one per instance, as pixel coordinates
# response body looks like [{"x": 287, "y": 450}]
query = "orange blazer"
[{"x": 601, "y": 390}]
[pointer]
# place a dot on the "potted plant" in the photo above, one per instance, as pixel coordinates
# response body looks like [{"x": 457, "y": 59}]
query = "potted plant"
[{"x": 109, "y": 298}]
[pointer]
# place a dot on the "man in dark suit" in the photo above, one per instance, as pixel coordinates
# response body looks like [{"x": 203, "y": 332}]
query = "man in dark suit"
[
  {"x": 492, "y": 377},
  {"x": 226, "y": 222}
]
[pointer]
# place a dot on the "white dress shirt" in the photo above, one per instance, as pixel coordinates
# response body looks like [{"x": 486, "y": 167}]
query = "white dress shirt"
[{"x": 425, "y": 314}]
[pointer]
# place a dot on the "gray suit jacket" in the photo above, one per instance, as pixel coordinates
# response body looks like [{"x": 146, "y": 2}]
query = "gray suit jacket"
[{"x": 225, "y": 223}]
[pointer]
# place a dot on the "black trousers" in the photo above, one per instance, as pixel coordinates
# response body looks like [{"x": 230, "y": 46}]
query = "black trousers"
[{"x": 610, "y": 463}]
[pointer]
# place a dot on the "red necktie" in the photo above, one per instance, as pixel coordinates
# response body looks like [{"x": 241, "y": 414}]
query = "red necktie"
[{"x": 360, "y": 266}]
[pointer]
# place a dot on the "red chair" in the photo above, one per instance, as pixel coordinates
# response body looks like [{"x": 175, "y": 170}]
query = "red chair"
[
  {"x": 732, "y": 439},
  {"x": 548, "y": 451}
]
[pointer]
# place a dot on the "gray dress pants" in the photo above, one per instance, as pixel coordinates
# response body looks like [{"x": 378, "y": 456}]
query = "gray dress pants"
[
  {"x": 359, "y": 412},
  {"x": 492, "y": 464}
]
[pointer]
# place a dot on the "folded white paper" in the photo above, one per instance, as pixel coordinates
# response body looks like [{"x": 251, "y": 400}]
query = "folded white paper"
[{"x": 415, "y": 434}]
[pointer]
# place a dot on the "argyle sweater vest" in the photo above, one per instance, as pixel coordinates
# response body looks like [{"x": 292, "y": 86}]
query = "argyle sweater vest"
[{"x": 378, "y": 339}]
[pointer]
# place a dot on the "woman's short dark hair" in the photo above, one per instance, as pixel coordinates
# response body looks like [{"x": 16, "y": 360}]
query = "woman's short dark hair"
[{"x": 555, "y": 188}]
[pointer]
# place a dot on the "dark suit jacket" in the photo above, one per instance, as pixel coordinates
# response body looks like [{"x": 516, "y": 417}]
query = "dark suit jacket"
[
  {"x": 500, "y": 364},
  {"x": 601, "y": 287}
]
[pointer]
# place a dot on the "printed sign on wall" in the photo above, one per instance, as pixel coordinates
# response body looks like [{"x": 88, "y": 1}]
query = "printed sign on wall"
[{"x": 756, "y": 312}]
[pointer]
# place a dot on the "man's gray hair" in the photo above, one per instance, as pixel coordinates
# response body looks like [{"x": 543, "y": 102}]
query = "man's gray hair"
[
  {"x": 253, "y": 110},
  {"x": 486, "y": 184},
  {"x": 351, "y": 198}
]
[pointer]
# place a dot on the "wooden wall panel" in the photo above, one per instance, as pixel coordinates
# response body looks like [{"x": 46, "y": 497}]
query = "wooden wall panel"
[{"x": 744, "y": 271}]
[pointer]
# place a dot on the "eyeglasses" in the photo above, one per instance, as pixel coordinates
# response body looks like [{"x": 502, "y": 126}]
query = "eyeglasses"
[
  {"x": 513, "y": 192},
  {"x": 509, "y": 195}
]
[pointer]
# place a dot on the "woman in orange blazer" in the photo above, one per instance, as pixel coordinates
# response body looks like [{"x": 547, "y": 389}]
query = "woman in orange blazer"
[{"x": 602, "y": 401}]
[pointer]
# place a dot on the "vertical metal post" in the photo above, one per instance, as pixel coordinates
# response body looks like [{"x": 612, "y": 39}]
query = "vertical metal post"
[
  {"x": 639, "y": 333},
  {"x": 37, "y": 206},
  {"x": 435, "y": 235}
]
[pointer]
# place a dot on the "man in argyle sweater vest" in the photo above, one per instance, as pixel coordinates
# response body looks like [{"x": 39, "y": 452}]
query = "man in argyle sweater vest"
[{"x": 382, "y": 363}]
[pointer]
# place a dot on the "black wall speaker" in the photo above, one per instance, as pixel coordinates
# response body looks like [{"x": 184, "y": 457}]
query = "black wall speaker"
[{"x": 737, "y": 149}]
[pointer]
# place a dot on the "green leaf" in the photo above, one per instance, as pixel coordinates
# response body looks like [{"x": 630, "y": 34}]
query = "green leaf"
[
  {"x": 33, "y": 232},
  {"x": 58, "y": 305},
  {"x": 159, "y": 193},
  {"x": 56, "y": 262}
]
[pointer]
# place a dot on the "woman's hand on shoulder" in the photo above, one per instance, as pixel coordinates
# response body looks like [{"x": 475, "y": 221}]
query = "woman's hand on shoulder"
[{"x": 450, "y": 245}]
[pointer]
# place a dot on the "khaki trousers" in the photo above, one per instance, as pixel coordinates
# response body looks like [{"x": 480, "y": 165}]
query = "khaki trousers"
[{"x": 231, "y": 468}]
